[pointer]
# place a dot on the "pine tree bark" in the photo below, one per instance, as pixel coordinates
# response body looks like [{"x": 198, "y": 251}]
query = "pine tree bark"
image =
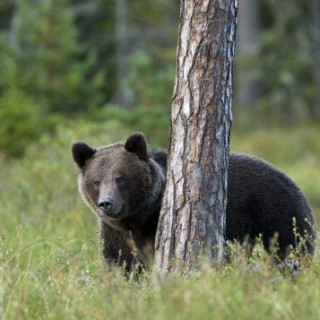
[{"x": 192, "y": 218}]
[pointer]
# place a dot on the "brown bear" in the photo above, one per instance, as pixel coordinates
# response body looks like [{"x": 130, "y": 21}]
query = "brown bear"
[{"x": 123, "y": 184}]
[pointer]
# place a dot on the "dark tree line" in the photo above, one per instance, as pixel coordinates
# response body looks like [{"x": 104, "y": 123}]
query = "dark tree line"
[
  {"x": 68, "y": 57},
  {"x": 121, "y": 51}
]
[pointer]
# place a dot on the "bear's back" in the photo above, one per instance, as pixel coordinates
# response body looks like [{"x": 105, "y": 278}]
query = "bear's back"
[{"x": 262, "y": 200}]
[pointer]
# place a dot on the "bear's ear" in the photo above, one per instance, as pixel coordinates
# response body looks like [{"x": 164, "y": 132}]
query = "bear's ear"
[
  {"x": 137, "y": 144},
  {"x": 81, "y": 153}
]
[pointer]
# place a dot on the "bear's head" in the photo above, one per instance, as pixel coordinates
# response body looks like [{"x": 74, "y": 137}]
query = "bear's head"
[{"x": 120, "y": 180}]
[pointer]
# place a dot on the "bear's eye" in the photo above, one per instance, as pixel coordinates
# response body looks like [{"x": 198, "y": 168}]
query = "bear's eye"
[
  {"x": 96, "y": 183},
  {"x": 121, "y": 181}
]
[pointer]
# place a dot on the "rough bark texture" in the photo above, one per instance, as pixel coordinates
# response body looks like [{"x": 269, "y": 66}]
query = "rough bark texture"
[{"x": 192, "y": 219}]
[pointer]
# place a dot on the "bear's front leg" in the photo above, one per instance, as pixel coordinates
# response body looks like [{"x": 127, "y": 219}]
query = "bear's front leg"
[{"x": 115, "y": 248}]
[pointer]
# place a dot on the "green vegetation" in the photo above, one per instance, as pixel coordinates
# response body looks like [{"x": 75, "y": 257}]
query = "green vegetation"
[
  {"x": 45, "y": 59},
  {"x": 58, "y": 61},
  {"x": 16, "y": 132},
  {"x": 283, "y": 66},
  {"x": 50, "y": 269},
  {"x": 61, "y": 59}
]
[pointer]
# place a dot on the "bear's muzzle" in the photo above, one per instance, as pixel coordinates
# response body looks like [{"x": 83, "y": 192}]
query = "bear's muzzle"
[{"x": 106, "y": 205}]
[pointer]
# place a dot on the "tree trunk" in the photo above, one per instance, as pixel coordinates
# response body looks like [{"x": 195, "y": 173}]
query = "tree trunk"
[
  {"x": 192, "y": 218},
  {"x": 247, "y": 90},
  {"x": 315, "y": 29},
  {"x": 123, "y": 96}
]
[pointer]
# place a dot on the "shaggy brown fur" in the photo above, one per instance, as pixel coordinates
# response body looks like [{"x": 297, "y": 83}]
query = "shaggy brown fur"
[{"x": 124, "y": 183}]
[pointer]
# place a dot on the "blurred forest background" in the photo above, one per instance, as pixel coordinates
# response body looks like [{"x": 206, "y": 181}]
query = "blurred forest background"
[
  {"x": 96, "y": 70},
  {"x": 104, "y": 60}
]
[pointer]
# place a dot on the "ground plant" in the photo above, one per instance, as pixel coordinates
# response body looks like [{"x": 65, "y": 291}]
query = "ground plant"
[{"x": 49, "y": 263}]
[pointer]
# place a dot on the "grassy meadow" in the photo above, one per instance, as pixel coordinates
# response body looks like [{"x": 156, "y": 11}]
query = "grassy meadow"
[{"x": 50, "y": 269}]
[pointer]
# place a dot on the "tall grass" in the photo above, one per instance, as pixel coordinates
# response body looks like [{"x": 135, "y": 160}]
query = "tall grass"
[{"x": 50, "y": 269}]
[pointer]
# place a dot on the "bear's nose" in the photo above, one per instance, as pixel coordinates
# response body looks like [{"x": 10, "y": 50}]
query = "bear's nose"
[{"x": 105, "y": 204}]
